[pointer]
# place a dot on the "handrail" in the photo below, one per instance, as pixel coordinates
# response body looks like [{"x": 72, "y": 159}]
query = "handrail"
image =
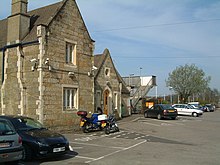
[
  {"x": 145, "y": 90},
  {"x": 138, "y": 84}
]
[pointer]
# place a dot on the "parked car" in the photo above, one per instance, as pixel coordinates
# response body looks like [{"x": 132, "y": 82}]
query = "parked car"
[
  {"x": 210, "y": 107},
  {"x": 194, "y": 104},
  {"x": 160, "y": 111},
  {"x": 186, "y": 109},
  {"x": 204, "y": 108},
  {"x": 38, "y": 142},
  {"x": 11, "y": 149}
]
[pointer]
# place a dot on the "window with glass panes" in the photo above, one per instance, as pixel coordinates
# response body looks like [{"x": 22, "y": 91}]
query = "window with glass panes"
[
  {"x": 70, "y": 52},
  {"x": 69, "y": 98}
]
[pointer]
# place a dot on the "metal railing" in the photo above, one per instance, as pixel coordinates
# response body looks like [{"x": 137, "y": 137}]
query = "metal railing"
[{"x": 141, "y": 92}]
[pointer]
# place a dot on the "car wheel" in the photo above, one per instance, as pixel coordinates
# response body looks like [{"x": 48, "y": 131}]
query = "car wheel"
[
  {"x": 27, "y": 152},
  {"x": 194, "y": 114},
  {"x": 159, "y": 117},
  {"x": 173, "y": 118},
  {"x": 145, "y": 114}
]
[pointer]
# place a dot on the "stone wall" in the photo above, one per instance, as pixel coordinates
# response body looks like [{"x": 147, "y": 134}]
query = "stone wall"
[
  {"x": 67, "y": 26},
  {"x": 102, "y": 82},
  {"x": 21, "y": 89}
]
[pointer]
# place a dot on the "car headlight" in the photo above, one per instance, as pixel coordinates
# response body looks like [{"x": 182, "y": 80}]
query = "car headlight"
[{"x": 42, "y": 144}]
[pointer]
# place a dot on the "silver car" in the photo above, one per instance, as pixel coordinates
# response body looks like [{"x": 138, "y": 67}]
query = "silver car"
[
  {"x": 11, "y": 149},
  {"x": 184, "y": 109}
]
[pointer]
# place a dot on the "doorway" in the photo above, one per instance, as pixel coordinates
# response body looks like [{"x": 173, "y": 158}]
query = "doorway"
[{"x": 106, "y": 101}]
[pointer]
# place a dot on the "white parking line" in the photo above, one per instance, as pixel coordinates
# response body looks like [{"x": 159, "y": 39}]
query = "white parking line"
[
  {"x": 83, "y": 157},
  {"x": 112, "y": 153},
  {"x": 97, "y": 145}
]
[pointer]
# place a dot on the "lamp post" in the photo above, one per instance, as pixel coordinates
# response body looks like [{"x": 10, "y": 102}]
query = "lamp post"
[
  {"x": 140, "y": 75},
  {"x": 171, "y": 95}
]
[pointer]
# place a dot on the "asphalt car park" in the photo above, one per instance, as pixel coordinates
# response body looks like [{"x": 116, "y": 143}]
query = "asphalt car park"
[{"x": 186, "y": 140}]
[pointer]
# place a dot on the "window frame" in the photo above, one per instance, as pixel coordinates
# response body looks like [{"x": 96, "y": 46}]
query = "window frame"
[
  {"x": 70, "y": 98},
  {"x": 116, "y": 100},
  {"x": 98, "y": 98},
  {"x": 70, "y": 52},
  {"x": 108, "y": 71}
]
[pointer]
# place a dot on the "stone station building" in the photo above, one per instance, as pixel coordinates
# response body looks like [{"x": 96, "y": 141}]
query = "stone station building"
[{"x": 47, "y": 65}]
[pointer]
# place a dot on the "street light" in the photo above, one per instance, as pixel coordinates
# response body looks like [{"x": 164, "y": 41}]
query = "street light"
[
  {"x": 171, "y": 96},
  {"x": 140, "y": 75}
]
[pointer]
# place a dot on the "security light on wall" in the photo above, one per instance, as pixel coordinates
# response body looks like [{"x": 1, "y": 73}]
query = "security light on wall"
[
  {"x": 90, "y": 74},
  {"x": 47, "y": 61},
  {"x": 94, "y": 68},
  {"x": 71, "y": 74},
  {"x": 34, "y": 62}
]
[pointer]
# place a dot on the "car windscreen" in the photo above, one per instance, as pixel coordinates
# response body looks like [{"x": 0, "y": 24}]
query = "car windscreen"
[
  {"x": 190, "y": 106},
  {"x": 27, "y": 124},
  {"x": 6, "y": 128},
  {"x": 167, "y": 106}
]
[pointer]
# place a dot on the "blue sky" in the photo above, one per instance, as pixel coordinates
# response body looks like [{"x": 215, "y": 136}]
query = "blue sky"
[{"x": 155, "y": 35}]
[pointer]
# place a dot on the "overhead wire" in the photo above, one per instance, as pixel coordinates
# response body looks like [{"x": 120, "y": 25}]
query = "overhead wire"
[
  {"x": 157, "y": 25},
  {"x": 173, "y": 57},
  {"x": 160, "y": 25}
]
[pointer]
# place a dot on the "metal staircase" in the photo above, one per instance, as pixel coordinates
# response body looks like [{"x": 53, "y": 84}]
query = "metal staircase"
[
  {"x": 139, "y": 87},
  {"x": 141, "y": 91}
]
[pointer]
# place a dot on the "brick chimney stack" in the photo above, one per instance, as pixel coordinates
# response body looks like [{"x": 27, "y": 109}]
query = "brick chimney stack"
[
  {"x": 18, "y": 22},
  {"x": 19, "y": 7}
]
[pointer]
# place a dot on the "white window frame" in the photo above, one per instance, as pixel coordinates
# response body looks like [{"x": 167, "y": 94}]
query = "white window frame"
[
  {"x": 116, "y": 100},
  {"x": 109, "y": 71},
  {"x": 98, "y": 98},
  {"x": 70, "y": 98},
  {"x": 70, "y": 52}
]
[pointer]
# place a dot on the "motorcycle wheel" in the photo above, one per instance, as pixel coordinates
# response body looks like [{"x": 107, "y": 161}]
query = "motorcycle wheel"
[
  {"x": 84, "y": 128},
  {"x": 116, "y": 129},
  {"x": 107, "y": 130}
]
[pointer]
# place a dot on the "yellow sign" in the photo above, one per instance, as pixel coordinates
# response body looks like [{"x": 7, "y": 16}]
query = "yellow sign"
[{"x": 149, "y": 104}]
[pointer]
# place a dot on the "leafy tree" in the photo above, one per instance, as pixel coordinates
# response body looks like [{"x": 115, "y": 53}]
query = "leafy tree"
[
  {"x": 210, "y": 96},
  {"x": 187, "y": 80}
]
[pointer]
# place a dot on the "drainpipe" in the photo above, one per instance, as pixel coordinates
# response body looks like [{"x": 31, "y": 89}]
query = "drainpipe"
[
  {"x": 3, "y": 64},
  {"x": 12, "y": 46},
  {"x": 3, "y": 59}
]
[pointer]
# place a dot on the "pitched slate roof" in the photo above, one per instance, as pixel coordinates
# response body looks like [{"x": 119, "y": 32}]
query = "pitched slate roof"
[
  {"x": 40, "y": 16},
  {"x": 99, "y": 61}
]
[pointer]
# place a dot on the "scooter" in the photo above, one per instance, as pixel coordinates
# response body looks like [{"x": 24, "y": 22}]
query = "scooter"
[
  {"x": 111, "y": 125},
  {"x": 96, "y": 122}
]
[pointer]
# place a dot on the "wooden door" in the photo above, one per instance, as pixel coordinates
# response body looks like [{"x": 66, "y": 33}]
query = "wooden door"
[{"x": 106, "y": 102}]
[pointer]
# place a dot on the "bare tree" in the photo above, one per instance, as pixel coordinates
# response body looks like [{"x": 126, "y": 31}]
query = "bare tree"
[{"x": 187, "y": 80}]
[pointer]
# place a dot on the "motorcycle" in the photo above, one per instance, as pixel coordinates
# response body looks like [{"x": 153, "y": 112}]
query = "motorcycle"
[
  {"x": 111, "y": 125},
  {"x": 94, "y": 123}
]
